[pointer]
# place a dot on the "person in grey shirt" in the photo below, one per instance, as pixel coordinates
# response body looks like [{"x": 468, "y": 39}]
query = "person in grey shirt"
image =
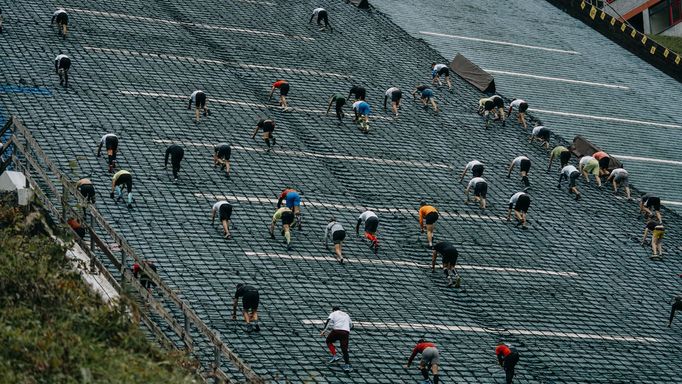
[{"x": 336, "y": 232}]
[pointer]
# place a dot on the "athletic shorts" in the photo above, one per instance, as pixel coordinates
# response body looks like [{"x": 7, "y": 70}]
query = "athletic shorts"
[
  {"x": 658, "y": 233},
  {"x": 431, "y": 218},
  {"x": 322, "y": 15},
  {"x": 293, "y": 199},
  {"x": 445, "y": 71},
  {"x": 250, "y": 301},
  {"x": 430, "y": 356},
  {"x": 361, "y": 94},
  {"x": 224, "y": 152},
  {"x": 572, "y": 179},
  {"x": 477, "y": 170},
  {"x": 623, "y": 180},
  {"x": 62, "y": 18},
  {"x": 340, "y": 102},
  {"x": 481, "y": 189},
  {"x": 604, "y": 162},
  {"x": 654, "y": 203},
  {"x": 489, "y": 105},
  {"x": 592, "y": 167},
  {"x": 450, "y": 258},
  {"x": 371, "y": 224},
  {"x": 111, "y": 143},
  {"x": 284, "y": 89},
  {"x": 363, "y": 109},
  {"x": 268, "y": 127},
  {"x": 200, "y": 100},
  {"x": 525, "y": 165},
  {"x": 287, "y": 218},
  {"x": 64, "y": 64},
  {"x": 396, "y": 96},
  {"x": 88, "y": 191},
  {"x": 564, "y": 157},
  {"x": 522, "y": 204},
  {"x": 338, "y": 236},
  {"x": 427, "y": 94},
  {"x": 523, "y": 107},
  {"x": 225, "y": 212},
  {"x": 543, "y": 134},
  {"x": 126, "y": 179},
  {"x": 499, "y": 103}
]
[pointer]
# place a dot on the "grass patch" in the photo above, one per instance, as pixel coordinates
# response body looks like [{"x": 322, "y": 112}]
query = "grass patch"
[
  {"x": 671, "y": 42},
  {"x": 53, "y": 329}
]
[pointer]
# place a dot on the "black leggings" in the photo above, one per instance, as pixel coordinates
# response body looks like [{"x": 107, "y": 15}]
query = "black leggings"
[{"x": 509, "y": 364}]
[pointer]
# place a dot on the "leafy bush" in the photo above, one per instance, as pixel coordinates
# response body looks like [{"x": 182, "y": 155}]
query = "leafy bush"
[{"x": 53, "y": 329}]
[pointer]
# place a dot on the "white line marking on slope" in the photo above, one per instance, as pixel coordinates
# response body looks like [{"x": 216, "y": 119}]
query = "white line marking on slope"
[
  {"x": 669, "y": 202},
  {"x": 556, "y": 79},
  {"x": 232, "y": 102},
  {"x": 414, "y": 163},
  {"x": 196, "y": 25},
  {"x": 616, "y": 119},
  {"x": 499, "y": 42},
  {"x": 648, "y": 159},
  {"x": 164, "y": 56},
  {"x": 359, "y": 208},
  {"x": 466, "y": 328},
  {"x": 256, "y": 2},
  {"x": 392, "y": 263}
]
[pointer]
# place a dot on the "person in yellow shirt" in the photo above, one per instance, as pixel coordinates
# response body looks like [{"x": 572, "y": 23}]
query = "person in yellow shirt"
[{"x": 428, "y": 215}]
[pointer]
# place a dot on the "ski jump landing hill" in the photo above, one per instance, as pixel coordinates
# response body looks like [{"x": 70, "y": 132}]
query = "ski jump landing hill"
[{"x": 576, "y": 292}]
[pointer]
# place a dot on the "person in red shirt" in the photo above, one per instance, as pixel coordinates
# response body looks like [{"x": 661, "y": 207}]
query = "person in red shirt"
[
  {"x": 428, "y": 215},
  {"x": 604, "y": 161},
  {"x": 292, "y": 199},
  {"x": 430, "y": 360},
  {"x": 283, "y": 87},
  {"x": 507, "y": 357}
]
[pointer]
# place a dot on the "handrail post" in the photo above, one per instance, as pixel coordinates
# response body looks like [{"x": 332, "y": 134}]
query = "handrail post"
[
  {"x": 216, "y": 357},
  {"x": 123, "y": 267}
]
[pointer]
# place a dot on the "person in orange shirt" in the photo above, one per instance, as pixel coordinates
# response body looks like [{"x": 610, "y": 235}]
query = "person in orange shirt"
[
  {"x": 507, "y": 357},
  {"x": 283, "y": 87},
  {"x": 604, "y": 161},
  {"x": 428, "y": 215},
  {"x": 430, "y": 359}
]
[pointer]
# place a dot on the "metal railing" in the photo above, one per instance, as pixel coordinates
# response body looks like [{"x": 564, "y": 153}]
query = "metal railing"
[{"x": 59, "y": 195}]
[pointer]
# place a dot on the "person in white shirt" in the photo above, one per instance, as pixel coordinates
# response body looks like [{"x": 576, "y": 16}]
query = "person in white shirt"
[
  {"x": 371, "y": 221},
  {"x": 62, "y": 19},
  {"x": 519, "y": 202},
  {"x": 322, "y": 16},
  {"x": 523, "y": 163},
  {"x": 438, "y": 70},
  {"x": 480, "y": 189},
  {"x": 395, "y": 94},
  {"x": 620, "y": 177},
  {"x": 521, "y": 107},
  {"x": 571, "y": 174},
  {"x": 339, "y": 325},
  {"x": 199, "y": 99},
  {"x": 110, "y": 143},
  {"x": 62, "y": 64},
  {"x": 224, "y": 211},
  {"x": 541, "y": 134},
  {"x": 493, "y": 104},
  {"x": 335, "y": 231},
  {"x": 476, "y": 168}
]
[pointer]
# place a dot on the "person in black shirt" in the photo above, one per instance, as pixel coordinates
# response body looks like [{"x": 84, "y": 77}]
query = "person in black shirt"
[
  {"x": 268, "y": 127},
  {"x": 62, "y": 19},
  {"x": 649, "y": 203},
  {"x": 221, "y": 156},
  {"x": 110, "y": 143},
  {"x": 176, "y": 153},
  {"x": 450, "y": 254},
  {"x": 359, "y": 92},
  {"x": 250, "y": 301},
  {"x": 677, "y": 306},
  {"x": 340, "y": 102}
]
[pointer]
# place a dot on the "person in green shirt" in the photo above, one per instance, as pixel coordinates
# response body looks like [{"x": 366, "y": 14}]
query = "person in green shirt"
[
  {"x": 340, "y": 101},
  {"x": 287, "y": 217},
  {"x": 560, "y": 152}
]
